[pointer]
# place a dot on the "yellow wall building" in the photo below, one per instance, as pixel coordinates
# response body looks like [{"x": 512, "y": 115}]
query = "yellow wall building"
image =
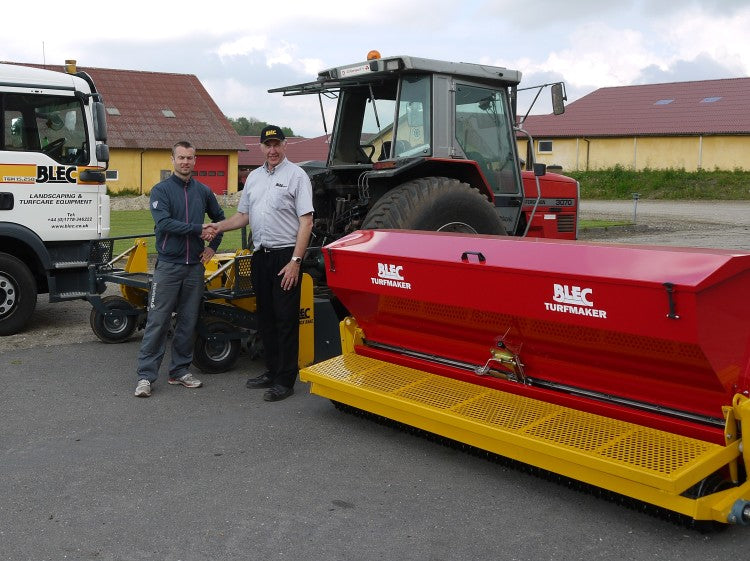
[
  {"x": 682, "y": 125},
  {"x": 147, "y": 112}
]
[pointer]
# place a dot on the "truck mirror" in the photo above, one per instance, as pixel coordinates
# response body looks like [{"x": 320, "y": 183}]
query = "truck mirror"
[
  {"x": 102, "y": 153},
  {"x": 558, "y": 98},
  {"x": 100, "y": 122}
]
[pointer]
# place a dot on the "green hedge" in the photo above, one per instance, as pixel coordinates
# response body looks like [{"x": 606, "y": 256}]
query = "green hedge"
[{"x": 621, "y": 183}]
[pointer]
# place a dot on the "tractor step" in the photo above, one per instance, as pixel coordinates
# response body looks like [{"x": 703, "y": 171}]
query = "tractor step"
[{"x": 641, "y": 462}]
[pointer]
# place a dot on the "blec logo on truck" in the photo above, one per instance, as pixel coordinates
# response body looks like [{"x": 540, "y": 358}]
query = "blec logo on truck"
[
  {"x": 56, "y": 174},
  {"x": 30, "y": 174}
]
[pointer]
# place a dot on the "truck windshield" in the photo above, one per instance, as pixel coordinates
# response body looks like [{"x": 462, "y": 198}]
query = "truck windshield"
[
  {"x": 484, "y": 135},
  {"x": 49, "y": 124},
  {"x": 367, "y": 113}
]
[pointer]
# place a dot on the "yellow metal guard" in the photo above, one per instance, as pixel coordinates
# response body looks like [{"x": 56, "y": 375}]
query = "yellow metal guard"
[{"x": 647, "y": 464}]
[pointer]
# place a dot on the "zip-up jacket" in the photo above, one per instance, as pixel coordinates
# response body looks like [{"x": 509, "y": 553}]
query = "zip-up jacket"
[{"x": 178, "y": 209}]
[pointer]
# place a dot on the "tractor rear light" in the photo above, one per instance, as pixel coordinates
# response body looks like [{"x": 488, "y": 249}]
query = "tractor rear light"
[{"x": 384, "y": 165}]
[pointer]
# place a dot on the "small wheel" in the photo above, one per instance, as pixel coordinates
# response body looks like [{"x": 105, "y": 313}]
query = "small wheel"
[
  {"x": 116, "y": 327},
  {"x": 17, "y": 294},
  {"x": 213, "y": 356}
]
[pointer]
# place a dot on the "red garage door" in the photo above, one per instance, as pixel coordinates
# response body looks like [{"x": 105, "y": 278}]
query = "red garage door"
[{"x": 212, "y": 170}]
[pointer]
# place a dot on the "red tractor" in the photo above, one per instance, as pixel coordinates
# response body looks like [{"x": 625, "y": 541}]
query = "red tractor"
[{"x": 430, "y": 145}]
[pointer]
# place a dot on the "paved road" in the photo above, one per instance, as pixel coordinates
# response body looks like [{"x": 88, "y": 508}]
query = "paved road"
[
  {"x": 714, "y": 224},
  {"x": 90, "y": 472}
]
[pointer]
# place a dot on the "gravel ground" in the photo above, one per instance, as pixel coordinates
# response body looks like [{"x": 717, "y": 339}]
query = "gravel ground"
[{"x": 712, "y": 224}]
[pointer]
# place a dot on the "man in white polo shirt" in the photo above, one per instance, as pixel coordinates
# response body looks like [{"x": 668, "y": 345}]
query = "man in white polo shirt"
[{"x": 277, "y": 203}]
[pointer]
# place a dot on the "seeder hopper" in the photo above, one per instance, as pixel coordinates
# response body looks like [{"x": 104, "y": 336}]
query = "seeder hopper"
[{"x": 626, "y": 368}]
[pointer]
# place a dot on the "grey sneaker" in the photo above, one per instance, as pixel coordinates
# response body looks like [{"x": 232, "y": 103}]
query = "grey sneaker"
[
  {"x": 143, "y": 389},
  {"x": 187, "y": 380}
]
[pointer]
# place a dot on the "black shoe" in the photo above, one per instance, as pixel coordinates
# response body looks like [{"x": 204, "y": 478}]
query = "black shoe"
[
  {"x": 262, "y": 381},
  {"x": 277, "y": 393}
]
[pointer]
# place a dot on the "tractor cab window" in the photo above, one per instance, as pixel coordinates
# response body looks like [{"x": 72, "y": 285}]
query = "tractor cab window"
[
  {"x": 483, "y": 133},
  {"x": 379, "y": 121},
  {"x": 413, "y": 134},
  {"x": 42, "y": 123}
]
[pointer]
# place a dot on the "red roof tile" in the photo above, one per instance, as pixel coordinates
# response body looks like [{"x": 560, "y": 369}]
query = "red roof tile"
[
  {"x": 297, "y": 150},
  {"x": 707, "y": 107},
  {"x": 140, "y": 97}
]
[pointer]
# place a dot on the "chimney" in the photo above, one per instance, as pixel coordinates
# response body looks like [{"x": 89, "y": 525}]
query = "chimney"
[{"x": 70, "y": 66}]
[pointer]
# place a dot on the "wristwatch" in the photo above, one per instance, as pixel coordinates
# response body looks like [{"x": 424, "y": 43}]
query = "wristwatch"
[{"x": 297, "y": 260}]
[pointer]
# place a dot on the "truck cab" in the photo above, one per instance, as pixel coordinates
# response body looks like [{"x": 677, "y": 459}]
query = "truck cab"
[{"x": 53, "y": 197}]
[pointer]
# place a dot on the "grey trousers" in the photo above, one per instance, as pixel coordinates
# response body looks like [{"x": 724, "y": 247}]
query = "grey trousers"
[{"x": 174, "y": 288}]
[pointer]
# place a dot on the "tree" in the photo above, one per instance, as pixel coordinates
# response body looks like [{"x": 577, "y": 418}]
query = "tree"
[{"x": 252, "y": 126}]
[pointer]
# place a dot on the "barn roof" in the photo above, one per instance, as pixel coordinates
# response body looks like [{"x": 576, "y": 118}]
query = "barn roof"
[
  {"x": 297, "y": 150},
  {"x": 153, "y": 110},
  {"x": 706, "y": 107}
]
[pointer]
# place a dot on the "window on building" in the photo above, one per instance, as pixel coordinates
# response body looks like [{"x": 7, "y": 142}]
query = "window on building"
[
  {"x": 545, "y": 146},
  {"x": 112, "y": 175}
]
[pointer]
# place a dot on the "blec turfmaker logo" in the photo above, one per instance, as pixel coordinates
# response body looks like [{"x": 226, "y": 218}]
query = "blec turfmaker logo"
[
  {"x": 391, "y": 275},
  {"x": 573, "y": 300}
]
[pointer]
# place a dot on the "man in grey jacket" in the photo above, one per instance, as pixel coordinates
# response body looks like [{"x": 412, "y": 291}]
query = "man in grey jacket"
[{"x": 178, "y": 205}]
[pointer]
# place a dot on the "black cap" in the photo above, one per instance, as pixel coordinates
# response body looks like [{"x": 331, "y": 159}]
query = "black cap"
[{"x": 271, "y": 132}]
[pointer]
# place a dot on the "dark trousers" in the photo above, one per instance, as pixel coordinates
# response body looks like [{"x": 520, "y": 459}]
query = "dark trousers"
[
  {"x": 278, "y": 314},
  {"x": 174, "y": 287}
]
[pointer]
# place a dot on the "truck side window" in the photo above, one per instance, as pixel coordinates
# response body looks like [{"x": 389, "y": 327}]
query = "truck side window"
[{"x": 53, "y": 125}]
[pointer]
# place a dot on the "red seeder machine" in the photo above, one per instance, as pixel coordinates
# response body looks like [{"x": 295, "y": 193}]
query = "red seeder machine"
[{"x": 625, "y": 368}]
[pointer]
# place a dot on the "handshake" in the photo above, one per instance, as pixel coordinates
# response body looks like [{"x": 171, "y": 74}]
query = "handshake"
[{"x": 210, "y": 231}]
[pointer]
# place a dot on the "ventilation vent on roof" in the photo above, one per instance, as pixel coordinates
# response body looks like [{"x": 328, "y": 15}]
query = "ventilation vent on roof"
[
  {"x": 710, "y": 99},
  {"x": 168, "y": 113},
  {"x": 664, "y": 102},
  {"x": 112, "y": 110}
]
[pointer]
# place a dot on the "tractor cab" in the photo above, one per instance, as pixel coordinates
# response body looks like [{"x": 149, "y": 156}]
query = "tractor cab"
[{"x": 418, "y": 144}]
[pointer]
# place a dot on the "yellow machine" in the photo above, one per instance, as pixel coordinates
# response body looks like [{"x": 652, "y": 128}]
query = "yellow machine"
[{"x": 228, "y": 314}]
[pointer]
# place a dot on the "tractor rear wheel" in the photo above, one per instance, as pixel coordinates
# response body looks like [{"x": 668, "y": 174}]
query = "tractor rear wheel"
[{"x": 440, "y": 204}]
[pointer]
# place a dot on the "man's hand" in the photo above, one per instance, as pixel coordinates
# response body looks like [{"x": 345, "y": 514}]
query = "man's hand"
[
  {"x": 289, "y": 275},
  {"x": 209, "y": 232},
  {"x": 206, "y": 255}
]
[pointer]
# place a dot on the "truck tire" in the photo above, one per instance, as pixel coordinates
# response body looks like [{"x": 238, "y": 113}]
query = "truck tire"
[
  {"x": 441, "y": 204},
  {"x": 17, "y": 294},
  {"x": 213, "y": 357},
  {"x": 115, "y": 328}
]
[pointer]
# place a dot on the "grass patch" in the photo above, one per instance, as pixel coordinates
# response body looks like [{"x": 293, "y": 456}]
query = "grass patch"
[
  {"x": 139, "y": 223},
  {"x": 668, "y": 184}
]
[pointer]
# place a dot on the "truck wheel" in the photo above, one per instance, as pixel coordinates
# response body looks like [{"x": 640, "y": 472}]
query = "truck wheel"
[
  {"x": 114, "y": 328},
  {"x": 17, "y": 294},
  {"x": 213, "y": 357},
  {"x": 439, "y": 204}
]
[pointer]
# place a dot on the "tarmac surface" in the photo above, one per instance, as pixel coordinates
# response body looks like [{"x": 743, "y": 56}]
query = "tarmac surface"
[{"x": 91, "y": 473}]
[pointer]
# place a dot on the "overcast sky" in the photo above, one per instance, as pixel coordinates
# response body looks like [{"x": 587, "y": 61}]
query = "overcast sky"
[{"x": 239, "y": 50}]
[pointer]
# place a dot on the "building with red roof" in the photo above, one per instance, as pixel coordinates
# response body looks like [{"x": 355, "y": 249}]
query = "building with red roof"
[
  {"x": 680, "y": 125},
  {"x": 147, "y": 112},
  {"x": 298, "y": 150}
]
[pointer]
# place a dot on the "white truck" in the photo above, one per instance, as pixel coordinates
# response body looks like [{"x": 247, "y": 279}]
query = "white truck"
[{"x": 53, "y": 197}]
